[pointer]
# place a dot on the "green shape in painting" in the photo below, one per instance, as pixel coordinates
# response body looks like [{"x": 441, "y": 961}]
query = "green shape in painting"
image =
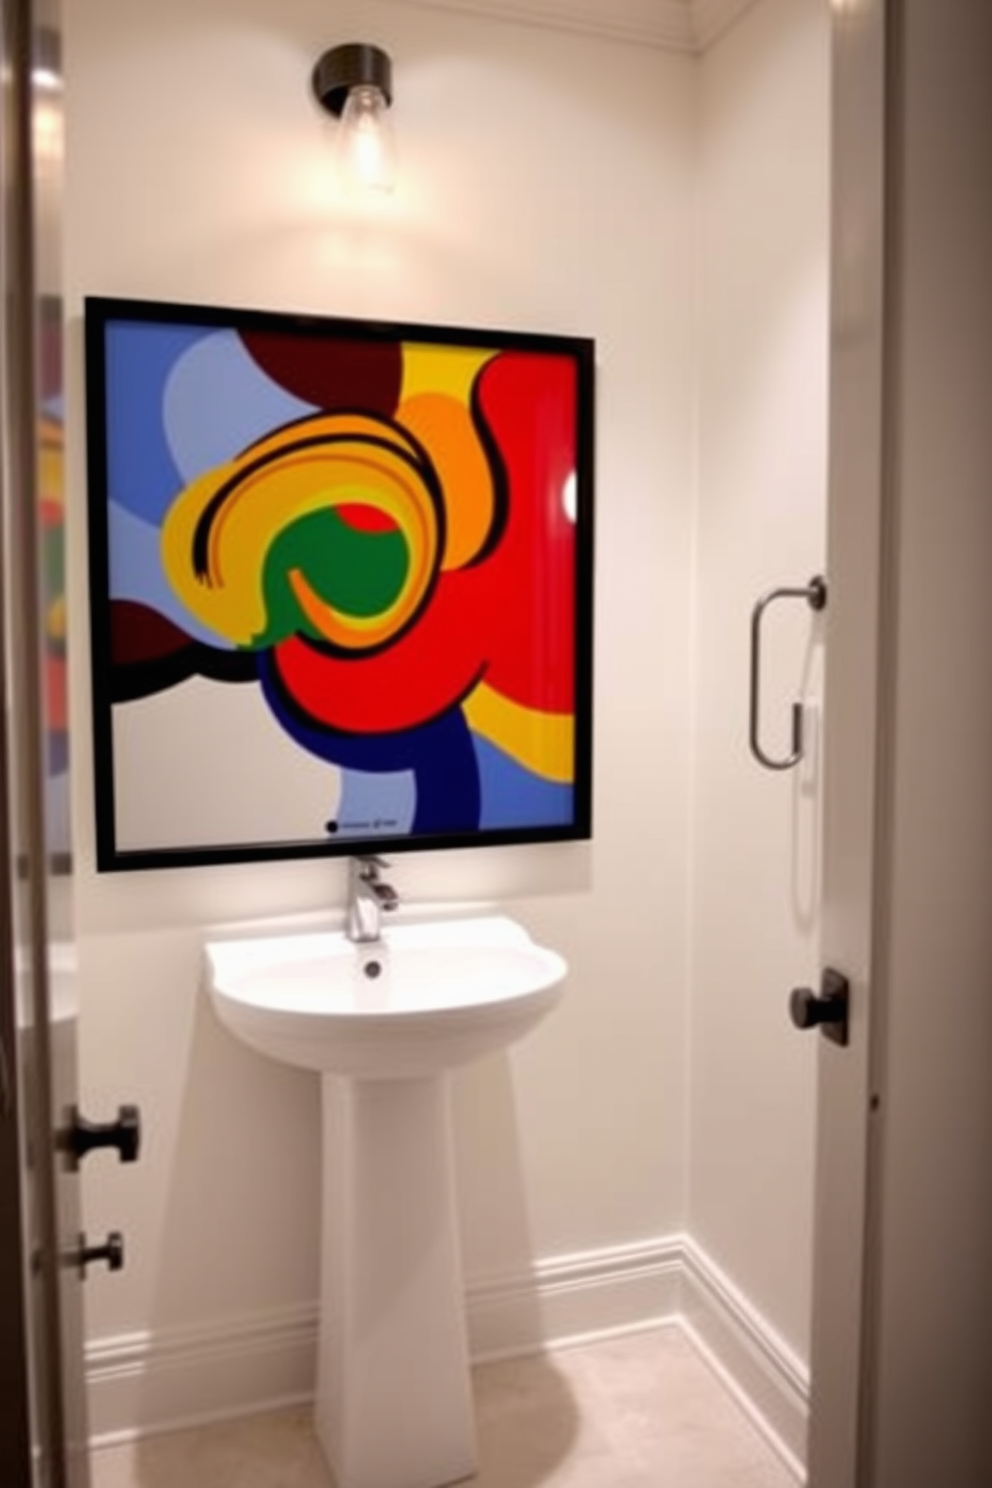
[{"x": 353, "y": 557}]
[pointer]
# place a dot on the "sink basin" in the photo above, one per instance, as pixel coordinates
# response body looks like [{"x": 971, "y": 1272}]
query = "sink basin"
[{"x": 423, "y": 999}]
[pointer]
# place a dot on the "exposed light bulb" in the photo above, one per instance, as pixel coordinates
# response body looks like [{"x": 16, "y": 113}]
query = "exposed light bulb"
[{"x": 367, "y": 148}]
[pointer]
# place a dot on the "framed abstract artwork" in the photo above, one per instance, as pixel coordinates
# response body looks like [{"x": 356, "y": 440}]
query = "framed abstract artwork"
[{"x": 341, "y": 584}]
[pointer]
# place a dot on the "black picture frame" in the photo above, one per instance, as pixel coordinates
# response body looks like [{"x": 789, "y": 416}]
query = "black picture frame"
[{"x": 329, "y": 544}]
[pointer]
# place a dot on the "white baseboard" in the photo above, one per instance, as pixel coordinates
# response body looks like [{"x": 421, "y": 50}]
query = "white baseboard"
[
  {"x": 569, "y": 1299},
  {"x": 142, "y": 1383},
  {"x": 753, "y": 1361}
]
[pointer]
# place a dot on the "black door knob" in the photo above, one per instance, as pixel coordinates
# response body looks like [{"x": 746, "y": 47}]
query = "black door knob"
[
  {"x": 125, "y": 1134},
  {"x": 827, "y": 1009},
  {"x": 111, "y": 1251}
]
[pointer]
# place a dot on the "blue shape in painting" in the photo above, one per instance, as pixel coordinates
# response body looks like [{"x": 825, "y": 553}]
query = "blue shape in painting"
[
  {"x": 515, "y": 797},
  {"x": 141, "y": 472},
  {"x": 440, "y": 754},
  {"x": 217, "y": 401},
  {"x": 447, "y": 775},
  {"x": 380, "y": 805},
  {"x": 135, "y": 562}
]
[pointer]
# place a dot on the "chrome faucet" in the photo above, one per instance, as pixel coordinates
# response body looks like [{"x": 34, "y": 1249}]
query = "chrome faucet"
[{"x": 368, "y": 896}]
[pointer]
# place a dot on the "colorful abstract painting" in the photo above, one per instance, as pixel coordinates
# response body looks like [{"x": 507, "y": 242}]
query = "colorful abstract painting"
[{"x": 341, "y": 584}]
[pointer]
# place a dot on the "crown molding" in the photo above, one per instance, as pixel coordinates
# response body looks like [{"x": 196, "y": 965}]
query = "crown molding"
[
  {"x": 710, "y": 18},
  {"x": 654, "y": 23},
  {"x": 687, "y": 26}
]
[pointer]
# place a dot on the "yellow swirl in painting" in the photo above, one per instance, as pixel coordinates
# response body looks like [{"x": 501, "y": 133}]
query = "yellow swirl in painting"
[
  {"x": 223, "y": 529},
  {"x": 542, "y": 742},
  {"x": 436, "y": 399}
]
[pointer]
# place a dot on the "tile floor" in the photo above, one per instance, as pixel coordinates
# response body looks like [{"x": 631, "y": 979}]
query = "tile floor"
[{"x": 642, "y": 1411}]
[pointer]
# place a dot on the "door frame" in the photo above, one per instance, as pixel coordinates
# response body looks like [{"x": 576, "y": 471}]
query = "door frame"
[
  {"x": 854, "y": 685},
  {"x": 42, "y": 1357}
]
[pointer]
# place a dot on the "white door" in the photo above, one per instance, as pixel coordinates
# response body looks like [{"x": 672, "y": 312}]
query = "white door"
[
  {"x": 924, "y": 1352},
  {"x": 902, "y": 1336},
  {"x": 855, "y": 555}
]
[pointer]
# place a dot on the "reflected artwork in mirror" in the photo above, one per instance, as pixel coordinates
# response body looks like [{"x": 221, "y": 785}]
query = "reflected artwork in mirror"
[{"x": 341, "y": 584}]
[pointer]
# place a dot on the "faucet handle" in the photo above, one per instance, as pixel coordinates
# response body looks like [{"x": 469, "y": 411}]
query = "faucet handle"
[{"x": 368, "y": 865}]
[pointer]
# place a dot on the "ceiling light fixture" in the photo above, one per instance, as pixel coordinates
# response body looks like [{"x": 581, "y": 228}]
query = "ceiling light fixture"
[{"x": 355, "y": 83}]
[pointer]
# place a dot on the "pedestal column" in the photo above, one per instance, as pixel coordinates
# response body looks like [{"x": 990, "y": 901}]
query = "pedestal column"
[{"x": 394, "y": 1403}]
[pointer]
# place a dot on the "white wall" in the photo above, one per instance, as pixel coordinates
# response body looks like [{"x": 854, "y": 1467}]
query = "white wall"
[
  {"x": 546, "y": 184},
  {"x": 762, "y": 293},
  {"x": 549, "y": 182}
]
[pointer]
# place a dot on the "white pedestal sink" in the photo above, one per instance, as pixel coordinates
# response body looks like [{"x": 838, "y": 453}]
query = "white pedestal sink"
[{"x": 384, "y": 1023}]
